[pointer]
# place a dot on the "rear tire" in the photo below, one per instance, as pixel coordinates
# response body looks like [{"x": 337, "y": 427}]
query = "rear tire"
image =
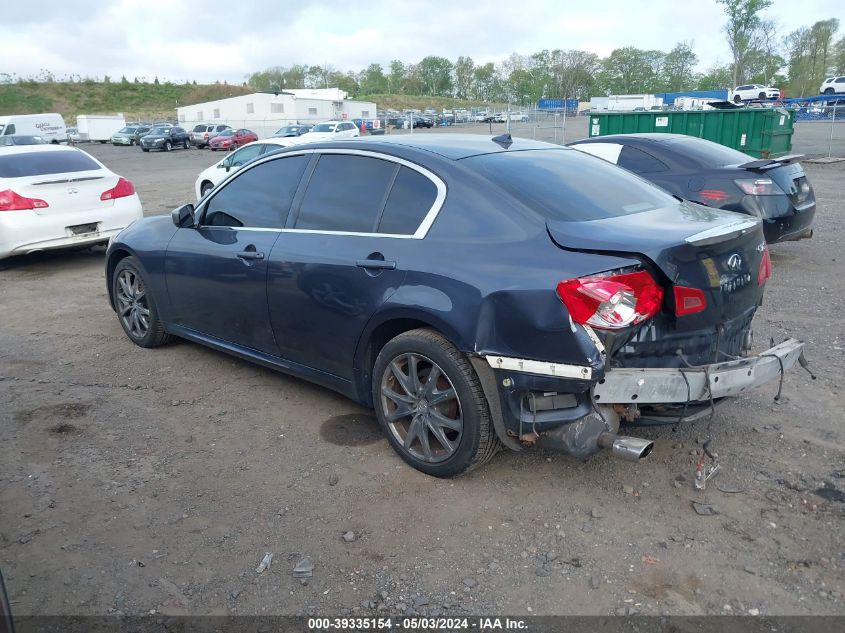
[
  {"x": 737, "y": 99},
  {"x": 186, "y": 144},
  {"x": 135, "y": 306},
  {"x": 829, "y": 91},
  {"x": 426, "y": 390}
]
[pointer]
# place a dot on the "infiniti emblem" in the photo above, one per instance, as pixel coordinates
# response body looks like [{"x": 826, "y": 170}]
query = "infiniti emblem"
[
  {"x": 72, "y": 190},
  {"x": 734, "y": 262}
]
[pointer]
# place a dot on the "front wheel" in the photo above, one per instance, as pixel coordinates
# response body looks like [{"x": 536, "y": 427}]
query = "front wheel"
[
  {"x": 762, "y": 96},
  {"x": 430, "y": 404},
  {"x": 144, "y": 149},
  {"x": 167, "y": 146},
  {"x": 737, "y": 99},
  {"x": 135, "y": 306}
]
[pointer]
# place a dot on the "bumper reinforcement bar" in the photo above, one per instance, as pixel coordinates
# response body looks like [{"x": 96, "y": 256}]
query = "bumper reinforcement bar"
[{"x": 697, "y": 384}]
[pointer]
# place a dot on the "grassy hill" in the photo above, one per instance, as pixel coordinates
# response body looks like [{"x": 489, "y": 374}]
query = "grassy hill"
[
  {"x": 146, "y": 101},
  {"x": 134, "y": 100}
]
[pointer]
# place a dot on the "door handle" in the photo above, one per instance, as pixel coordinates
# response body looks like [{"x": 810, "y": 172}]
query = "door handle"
[
  {"x": 250, "y": 255},
  {"x": 375, "y": 264}
]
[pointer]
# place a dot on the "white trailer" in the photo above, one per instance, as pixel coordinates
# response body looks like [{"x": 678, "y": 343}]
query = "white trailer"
[
  {"x": 48, "y": 125},
  {"x": 97, "y": 127}
]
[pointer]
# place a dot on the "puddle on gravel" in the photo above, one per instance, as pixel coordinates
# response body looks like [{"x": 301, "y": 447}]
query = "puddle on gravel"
[
  {"x": 67, "y": 410},
  {"x": 351, "y": 429}
]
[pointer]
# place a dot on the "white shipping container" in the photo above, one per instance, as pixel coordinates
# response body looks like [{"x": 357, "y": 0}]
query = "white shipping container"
[{"x": 93, "y": 127}]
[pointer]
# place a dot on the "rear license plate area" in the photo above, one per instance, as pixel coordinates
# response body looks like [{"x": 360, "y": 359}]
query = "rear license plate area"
[{"x": 83, "y": 229}]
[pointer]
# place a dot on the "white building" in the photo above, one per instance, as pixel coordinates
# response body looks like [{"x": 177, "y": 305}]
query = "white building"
[{"x": 266, "y": 112}]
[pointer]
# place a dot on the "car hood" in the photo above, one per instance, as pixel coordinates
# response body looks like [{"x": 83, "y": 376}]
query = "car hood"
[
  {"x": 154, "y": 137},
  {"x": 222, "y": 139}
]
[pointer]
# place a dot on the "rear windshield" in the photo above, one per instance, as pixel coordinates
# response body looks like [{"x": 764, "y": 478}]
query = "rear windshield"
[
  {"x": 707, "y": 153},
  {"x": 41, "y": 163},
  {"x": 568, "y": 185},
  {"x": 201, "y": 128}
]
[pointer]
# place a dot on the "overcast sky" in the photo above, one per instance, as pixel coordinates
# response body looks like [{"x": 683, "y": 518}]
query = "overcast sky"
[{"x": 227, "y": 40}]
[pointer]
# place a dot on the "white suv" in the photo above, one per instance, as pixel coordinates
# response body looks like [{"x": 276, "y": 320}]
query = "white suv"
[
  {"x": 752, "y": 92},
  {"x": 832, "y": 85}
]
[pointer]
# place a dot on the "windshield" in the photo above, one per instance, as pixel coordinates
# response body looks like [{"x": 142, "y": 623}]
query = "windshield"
[
  {"x": 324, "y": 127},
  {"x": 162, "y": 131},
  {"x": 227, "y": 133},
  {"x": 707, "y": 153},
  {"x": 128, "y": 130},
  {"x": 569, "y": 186},
  {"x": 291, "y": 129}
]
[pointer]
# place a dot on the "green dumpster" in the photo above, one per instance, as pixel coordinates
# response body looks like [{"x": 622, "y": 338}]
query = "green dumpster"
[{"x": 760, "y": 132}]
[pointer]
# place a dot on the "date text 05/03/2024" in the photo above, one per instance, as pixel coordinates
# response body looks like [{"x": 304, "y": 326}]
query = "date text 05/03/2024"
[{"x": 416, "y": 624}]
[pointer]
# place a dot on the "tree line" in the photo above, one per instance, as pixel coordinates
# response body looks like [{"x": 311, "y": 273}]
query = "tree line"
[{"x": 797, "y": 61}]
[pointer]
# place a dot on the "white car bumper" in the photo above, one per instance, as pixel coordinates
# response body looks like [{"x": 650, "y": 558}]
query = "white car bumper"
[{"x": 24, "y": 232}]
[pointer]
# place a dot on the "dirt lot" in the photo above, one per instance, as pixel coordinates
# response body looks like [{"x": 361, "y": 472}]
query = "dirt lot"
[{"x": 137, "y": 481}]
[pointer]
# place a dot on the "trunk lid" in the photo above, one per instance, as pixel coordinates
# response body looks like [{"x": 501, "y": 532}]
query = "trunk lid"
[
  {"x": 67, "y": 193},
  {"x": 718, "y": 252}
]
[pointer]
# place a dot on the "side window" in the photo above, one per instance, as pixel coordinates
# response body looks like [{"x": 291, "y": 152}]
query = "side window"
[
  {"x": 639, "y": 162},
  {"x": 410, "y": 199},
  {"x": 258, "y": 197},
  {"x": 840, "y": 80},
  {"x": 345, "y": 193},
  {"x": 10, "y": 129},
  {"x": 246, "y": 154}
]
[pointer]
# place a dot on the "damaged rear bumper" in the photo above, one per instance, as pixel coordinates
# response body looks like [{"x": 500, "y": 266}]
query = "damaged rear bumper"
[
  {"x": 696, "y": 384},
  {"x": 571, "y": 409}
]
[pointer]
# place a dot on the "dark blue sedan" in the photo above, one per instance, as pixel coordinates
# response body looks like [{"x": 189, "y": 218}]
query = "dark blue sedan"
[{"x": 476, "y": 292}]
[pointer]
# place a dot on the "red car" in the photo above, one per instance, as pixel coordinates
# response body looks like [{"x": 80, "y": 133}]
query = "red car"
[{"x": 232, "y": 139}]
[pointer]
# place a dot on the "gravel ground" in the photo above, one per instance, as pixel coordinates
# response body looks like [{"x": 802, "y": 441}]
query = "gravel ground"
[{"x": 138, "y": 481}]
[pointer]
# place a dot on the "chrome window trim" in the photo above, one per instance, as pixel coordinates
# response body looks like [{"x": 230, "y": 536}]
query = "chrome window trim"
[{"x": 422, "y": 229}]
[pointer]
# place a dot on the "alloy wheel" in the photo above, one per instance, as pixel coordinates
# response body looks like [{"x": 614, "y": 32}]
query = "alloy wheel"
[
  {"x": 132, "y": 306},
  {"x": 421, "y": 408}
]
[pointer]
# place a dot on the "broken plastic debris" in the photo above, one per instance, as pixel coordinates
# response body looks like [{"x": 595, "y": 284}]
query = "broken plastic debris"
[
  {"x": 704, "y": 509},
  {"x": 265, "y": 563},
  {"x": 304, "y": 569}
]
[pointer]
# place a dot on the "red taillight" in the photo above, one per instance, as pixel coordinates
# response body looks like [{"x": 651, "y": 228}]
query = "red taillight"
[
  {"x": 205, "y": 135},
  {"x": 713, "y": 195},
  {"x": 765, "y": 267},
  {"x": 689, "y": 300},
  {"x": 122, "y": 189},
  {"x": 11, "y": 201},
  {"x": 611, "y": 302},
  {"x": 759, "y": 187}
]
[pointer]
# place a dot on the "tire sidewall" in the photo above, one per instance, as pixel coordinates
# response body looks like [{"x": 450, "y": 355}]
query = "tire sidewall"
[
  {"x": 167, "y": 146},
  {"x": 130, "y": 263},
  {"x": 470, "y": 437}
]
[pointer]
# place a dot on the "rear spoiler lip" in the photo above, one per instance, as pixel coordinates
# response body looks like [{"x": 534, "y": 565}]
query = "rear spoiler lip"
[{"x": 770, "y": 163}]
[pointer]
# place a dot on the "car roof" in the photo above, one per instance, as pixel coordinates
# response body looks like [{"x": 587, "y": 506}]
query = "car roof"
[
  {"x": 25, "y": 149},
  {"x": 653, "y": 137},
  {"x": 458, "y": 146}
]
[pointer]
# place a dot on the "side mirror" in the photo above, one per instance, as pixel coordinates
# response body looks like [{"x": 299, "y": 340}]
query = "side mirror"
[{"x": 183, "y": 217}]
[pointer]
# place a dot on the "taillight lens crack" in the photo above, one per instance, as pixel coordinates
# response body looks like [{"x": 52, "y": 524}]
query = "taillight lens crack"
[{"x": 611, "y": 302}]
